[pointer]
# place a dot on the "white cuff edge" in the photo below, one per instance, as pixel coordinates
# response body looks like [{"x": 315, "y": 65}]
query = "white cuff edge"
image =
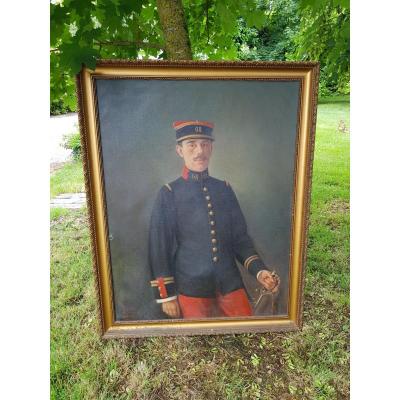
[
  {"x": 166, "y": 299},
  {"x": 259, "y": 272}
]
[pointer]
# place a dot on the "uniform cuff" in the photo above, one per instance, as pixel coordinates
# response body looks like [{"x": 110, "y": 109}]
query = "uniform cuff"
[
  {"x": 163, "y": 287},
  {"x": 259, "y": 272},
  {"x": 167, "y": 299},
  {"x": 254, "y": 264}
]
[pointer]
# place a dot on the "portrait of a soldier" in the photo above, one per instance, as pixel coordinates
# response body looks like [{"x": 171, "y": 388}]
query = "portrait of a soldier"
[{"x": 197, "y": 234}]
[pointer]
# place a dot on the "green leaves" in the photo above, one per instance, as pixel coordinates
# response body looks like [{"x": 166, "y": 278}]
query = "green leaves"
[
  {"x": 280, "y": 22},
  {"x": 58, "y": 17},
  {"x": 226, "y": 17},
  {"x": 329, "y": 21},
  {"x": 215, "y": 25},
  {"x": 257, "y": 18},
  {"x": 74, "y": 55},
  {"x": 318, "y": 5},
  {"x": 341, "y": 3},
  {"x": 82, "y": 31},
  {"x": 85, "y": 30}
]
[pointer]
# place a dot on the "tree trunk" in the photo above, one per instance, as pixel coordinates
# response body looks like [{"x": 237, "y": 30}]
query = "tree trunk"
[{"x": 173, "y": 24}]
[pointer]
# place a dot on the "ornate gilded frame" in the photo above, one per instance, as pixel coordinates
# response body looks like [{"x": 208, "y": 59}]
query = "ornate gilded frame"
[{"x": 305, "y": 72}]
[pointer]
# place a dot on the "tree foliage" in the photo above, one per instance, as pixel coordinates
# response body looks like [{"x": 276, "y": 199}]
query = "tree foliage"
[
  {"x": 324, "y": 35},
  {"x": 82, "y": 31},
  {"x": 304, "y": 30},
  {"x": 85, "y": 30},
  {"x": 274, "y": 41}
]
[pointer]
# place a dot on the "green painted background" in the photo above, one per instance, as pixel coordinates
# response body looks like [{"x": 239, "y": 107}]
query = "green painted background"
[{"x": 255, "y": 131}]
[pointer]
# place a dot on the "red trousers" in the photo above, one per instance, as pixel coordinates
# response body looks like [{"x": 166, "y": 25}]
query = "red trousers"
[{"x": 234, "y": 304}]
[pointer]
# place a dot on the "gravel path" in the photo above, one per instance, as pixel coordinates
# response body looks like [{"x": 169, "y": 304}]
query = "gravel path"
[
  {"x": 69, "y": 200},
  {"x": 59, "y": 127}
]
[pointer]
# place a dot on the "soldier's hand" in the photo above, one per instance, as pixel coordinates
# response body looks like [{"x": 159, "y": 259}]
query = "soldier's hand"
[
  {"x": 269, "y": 280},
  {"x": 171, "y": 308}
]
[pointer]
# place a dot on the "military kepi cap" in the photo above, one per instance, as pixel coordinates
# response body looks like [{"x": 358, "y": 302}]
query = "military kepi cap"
[{"x": 193, "y": 129}]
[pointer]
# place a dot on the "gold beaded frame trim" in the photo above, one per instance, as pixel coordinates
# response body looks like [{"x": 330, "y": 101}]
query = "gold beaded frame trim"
[{"x": 307, "y": 73}]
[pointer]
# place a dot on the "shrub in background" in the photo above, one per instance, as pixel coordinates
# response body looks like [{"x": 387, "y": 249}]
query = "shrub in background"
[
  {"x": 57, "y": 107},
  {"x": 72, "y": 142}
]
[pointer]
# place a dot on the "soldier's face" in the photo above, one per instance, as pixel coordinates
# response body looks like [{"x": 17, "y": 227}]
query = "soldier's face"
[{"x": 196, "y": 153}]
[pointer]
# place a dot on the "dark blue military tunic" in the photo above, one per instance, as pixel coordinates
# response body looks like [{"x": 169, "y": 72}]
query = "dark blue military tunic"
[{"x": 197, "y": 231}]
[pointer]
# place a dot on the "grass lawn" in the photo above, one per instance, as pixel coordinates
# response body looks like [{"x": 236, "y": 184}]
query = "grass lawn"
[
  {"x": 310, "y": 364},
  {"x": 68, "y": 179}
]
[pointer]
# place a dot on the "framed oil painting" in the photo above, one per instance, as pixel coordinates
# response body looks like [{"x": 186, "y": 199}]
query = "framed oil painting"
[{"x": 198, "y": 180}]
